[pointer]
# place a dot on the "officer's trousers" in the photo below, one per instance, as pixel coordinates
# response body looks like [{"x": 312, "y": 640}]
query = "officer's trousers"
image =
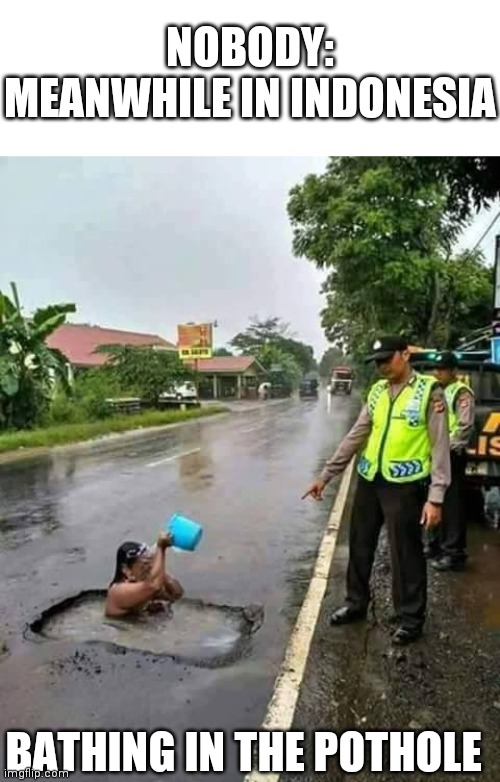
[
  {"x": 400, "y": 507},
  {"x": 453, "y": 529}
]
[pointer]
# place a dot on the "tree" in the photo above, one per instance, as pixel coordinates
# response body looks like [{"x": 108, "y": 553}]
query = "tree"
[
  {"x": 386, "y": 239},
  {"x": 273, "y": 331},
  {"x": 28, "y": 367},
  {"x": 472, "y": 182},
  {"x": 146, "y": 370},
  {"x": 260, "y": 332},
  {"x": 222, "y": 352},
  {"x": 331, "y": 357},
  {"x": 282, "y": 368}
]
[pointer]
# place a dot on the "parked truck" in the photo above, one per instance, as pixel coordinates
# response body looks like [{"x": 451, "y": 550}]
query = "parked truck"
[{"x": 479, "y": 367}]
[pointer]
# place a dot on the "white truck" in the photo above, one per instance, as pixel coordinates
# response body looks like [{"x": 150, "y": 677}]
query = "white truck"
[
  {"x": 341, "y": 382},
  {"x": 183, "y": 392}
]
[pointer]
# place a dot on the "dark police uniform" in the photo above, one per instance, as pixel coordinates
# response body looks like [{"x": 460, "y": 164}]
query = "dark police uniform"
[
  {"x": 393, "y": 490},
  {"x": 451, "y": 536}
]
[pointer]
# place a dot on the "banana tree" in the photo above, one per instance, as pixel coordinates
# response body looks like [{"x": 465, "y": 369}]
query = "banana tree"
[{"x": 28, "y": 367}]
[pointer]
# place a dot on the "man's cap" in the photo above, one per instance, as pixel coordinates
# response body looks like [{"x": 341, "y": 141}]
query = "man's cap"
[
  {"x": 446, "y": 360},
  {"x": 385, "y": 347}
]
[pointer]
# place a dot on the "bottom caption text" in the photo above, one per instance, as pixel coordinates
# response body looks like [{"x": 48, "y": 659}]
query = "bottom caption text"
[{"x": 57, "y": 753}]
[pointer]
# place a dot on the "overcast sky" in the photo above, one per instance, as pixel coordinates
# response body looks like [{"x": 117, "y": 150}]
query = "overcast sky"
[{"x": 146, "y": 243}]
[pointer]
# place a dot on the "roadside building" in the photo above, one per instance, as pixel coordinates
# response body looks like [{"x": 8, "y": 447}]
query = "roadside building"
[
  {"x": 229, "y": 377},
  {"x": 79, "y": 342}
]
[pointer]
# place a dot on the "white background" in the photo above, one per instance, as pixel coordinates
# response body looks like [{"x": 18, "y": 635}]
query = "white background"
[{"x": 120, "y": 37}]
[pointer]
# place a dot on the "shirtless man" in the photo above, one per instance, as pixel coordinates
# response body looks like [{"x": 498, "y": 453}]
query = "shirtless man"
[{"x": 140, "y": 581}]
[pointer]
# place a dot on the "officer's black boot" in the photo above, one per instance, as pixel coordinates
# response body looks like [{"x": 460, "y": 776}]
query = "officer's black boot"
[
  {"x": 346, "y": 615},
  {"x": 447, "y": 563}
]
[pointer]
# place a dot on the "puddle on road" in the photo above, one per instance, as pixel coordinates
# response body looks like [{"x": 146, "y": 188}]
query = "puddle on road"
[
  {"x": 194, "y": 632},
  {"x": 24, "y": 526}
]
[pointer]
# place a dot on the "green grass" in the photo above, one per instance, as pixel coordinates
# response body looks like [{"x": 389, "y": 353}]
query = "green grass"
[{"x": 74, "y": 433}]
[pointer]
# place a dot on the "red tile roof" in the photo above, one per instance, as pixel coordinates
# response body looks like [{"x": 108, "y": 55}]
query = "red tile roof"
[
  {"x": 230, "y": 364},
  {"x": 78, "y": 342}
]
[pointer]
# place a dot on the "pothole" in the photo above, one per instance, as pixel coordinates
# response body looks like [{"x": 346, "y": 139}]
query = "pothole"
[{"x": 193, "y": 631}]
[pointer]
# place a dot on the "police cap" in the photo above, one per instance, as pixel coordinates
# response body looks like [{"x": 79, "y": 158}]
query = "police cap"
[
  {"x": 446, "y": 360},
  {"x": 384, "y": 348}
]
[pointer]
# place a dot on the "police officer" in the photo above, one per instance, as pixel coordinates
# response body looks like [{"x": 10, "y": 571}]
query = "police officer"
[
  {"x": 452, "y": 533},
  {"x": 403, "y": 474}
]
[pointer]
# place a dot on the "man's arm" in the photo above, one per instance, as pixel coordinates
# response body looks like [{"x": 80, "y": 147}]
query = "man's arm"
[
  {"x": 437, "y": 422},
  {"x": 465, "y": 410},
  {"x": 351, "y": 443}
]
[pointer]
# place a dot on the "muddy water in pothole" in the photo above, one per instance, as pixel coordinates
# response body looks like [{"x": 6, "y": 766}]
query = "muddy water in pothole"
[{"x": 188, "y": 630}]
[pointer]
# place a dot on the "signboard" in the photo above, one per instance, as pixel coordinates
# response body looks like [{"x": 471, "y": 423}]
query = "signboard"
[
  {"x": 488, "y": 442},
  {"x": 194, "y": 340},
  {"x": 495, "y": 350}
]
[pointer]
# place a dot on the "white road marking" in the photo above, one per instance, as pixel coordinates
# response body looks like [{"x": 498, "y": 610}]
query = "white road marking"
[
  {"x": 281, "y": 708},
  {"x": 173, "y": 457}
]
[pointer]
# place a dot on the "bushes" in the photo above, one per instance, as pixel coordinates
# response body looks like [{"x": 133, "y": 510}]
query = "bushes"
[
  {"x": 63, "y": 410},
  {"x": 78, "y": 432},
  {"x": 91, "y": 389}
]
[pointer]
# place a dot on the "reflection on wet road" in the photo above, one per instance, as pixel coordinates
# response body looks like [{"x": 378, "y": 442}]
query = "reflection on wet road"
[{"x": 63, "y": 516}]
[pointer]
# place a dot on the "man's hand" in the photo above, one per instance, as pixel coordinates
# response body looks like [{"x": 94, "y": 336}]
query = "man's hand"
[
  {"x": 431, "y": 515},
  {"x": 164, "y": 540},
  {"x": 315, "y": 490}
]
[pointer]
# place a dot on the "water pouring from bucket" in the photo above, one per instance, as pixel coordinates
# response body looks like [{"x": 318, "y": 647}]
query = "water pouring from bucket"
[{"x": 186, "y": 533}]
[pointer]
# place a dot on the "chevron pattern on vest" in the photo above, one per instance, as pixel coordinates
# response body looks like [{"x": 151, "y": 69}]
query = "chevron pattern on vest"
[
  {"x": 363, "y": 466},
  {"x": 405, "y": 469}
]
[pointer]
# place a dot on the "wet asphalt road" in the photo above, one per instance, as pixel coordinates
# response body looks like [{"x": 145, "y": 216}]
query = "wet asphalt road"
[{"x": 62, "y": 517}]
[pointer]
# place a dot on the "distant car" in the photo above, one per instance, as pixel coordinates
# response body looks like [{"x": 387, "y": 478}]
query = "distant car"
[
  {"x": 308, "y": 388},
  {"x": 184, "y": 392}
]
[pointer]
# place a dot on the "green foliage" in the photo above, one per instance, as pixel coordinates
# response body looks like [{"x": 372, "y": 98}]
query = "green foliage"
[
  {"x": 63, "y": 410},
  {"x": 331, "y": 357},
  {"x": 471, "y": 182},
  {"x": 148, "y": 371},
  {"x": 222, "y": 352},
  {"x": 77, "y": 432},
  {"x": 88, "y": 402},
  {"x": 28, "y": 368},
  {"x": 385, "y": 237},
  {"x": 282, "y": 367},
  {"x": 273, "y": 331}
]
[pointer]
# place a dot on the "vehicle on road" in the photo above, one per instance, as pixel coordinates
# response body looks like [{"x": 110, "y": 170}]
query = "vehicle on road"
[
  {"x": 182, "y": 392},
  {"x": 341, "y": 382},
  {"x": 309, "y": 387}
]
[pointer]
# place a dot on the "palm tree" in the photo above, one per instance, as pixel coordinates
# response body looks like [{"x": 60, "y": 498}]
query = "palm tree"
[{"x": 28, "y": 367}]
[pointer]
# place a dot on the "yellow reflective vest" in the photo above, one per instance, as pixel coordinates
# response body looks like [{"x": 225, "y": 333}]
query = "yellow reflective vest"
[
  {"x": 451, "y": 392},
  {"x": 399, "y": 447}
]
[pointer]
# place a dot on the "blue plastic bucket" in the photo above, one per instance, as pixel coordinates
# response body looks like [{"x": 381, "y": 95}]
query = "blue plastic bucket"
[{"x": 186, "y": 534}]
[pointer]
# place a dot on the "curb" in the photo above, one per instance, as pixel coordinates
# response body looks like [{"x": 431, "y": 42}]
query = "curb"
[{"x": 281, "y": 708}]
